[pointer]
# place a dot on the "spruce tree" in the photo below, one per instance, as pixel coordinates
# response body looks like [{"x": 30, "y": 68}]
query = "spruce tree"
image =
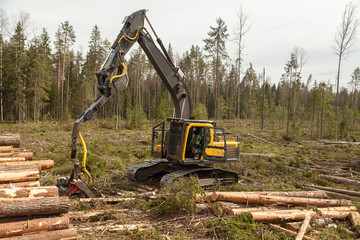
[{"x": 215, "y": 46}]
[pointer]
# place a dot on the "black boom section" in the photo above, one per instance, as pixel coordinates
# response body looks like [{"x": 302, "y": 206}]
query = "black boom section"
[{"x": 171, "y": 77}]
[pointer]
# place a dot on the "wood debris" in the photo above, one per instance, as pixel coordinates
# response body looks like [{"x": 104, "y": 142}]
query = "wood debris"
[
  {"x": 280, "y": 207},
  {"x": 28, "y": 211}
]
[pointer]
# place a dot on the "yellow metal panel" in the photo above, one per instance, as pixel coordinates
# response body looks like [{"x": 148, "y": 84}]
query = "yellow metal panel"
[{"x": 187, "y": 134}]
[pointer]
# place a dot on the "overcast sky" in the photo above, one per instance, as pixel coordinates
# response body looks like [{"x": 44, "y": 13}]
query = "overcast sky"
[{"x": 277, "y": 26}]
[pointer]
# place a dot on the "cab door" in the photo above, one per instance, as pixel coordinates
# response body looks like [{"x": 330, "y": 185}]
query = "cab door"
[{"x": 215, "y": 144}]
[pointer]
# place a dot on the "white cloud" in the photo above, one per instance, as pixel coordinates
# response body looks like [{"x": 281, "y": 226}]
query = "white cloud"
[{"x": 277, "y": 26}]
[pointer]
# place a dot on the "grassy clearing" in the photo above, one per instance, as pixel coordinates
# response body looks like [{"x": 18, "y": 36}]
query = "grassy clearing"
[{"x": 111, "y": 151}]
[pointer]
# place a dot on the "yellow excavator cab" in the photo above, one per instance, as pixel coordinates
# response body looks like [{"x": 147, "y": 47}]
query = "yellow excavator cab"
[{"x": 194, "y": 142}]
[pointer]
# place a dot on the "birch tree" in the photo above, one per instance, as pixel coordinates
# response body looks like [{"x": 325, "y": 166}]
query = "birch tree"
[{"x": 344, "y": 40}]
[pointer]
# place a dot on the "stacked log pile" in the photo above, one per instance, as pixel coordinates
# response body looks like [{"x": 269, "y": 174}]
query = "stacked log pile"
[
  {"x": 279, "y": 208},
  {"x": 27, "y": 210}
]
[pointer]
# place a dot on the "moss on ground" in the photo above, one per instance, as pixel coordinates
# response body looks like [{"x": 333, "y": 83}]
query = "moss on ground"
[{"x": 111, "y": 151}]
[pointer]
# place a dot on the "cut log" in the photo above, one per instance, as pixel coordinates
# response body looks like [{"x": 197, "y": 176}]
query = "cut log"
[
  {"x": 257, "y": 154},
  {"x": 33, "y": 206},
  {"x": 51, "y": 191},
  {"x": 106, "y": 200},
  {"x": 297, "y": 215},
  {"x": 6, "y": 149},
  {"x": 212, "y": 196},
  {"x": 343, "y": 191},
  {"x": 115, "y": 228},
  {"x": 45, "y": 165},
  {"x": 339, "y": 179},
  {"x": 304, "y": 227},
  {"x": 64, "y": 234},
  {"x": 19, "y": 173},
  {"x": 27, "y": 155},
  {"x": 10, "y": 139},
  {"x": 329, "y": 142},
  {"x": 235, "y": 211},
  {"x": 12, "y": 159},
  {"x": 263, "y": 199},
  {"x": 18, "y": 226},
  {"x": 346, "y": 174},
  {"x": 354, "y": 218},
  {"x": 86, "y": 215},
  {"x": 20, "y": 184},
  {"x": 20, "y": 166},
  {"x": 264, "y": 140},
  {"x": 305, "y": 194},
  {"x": 335, "y": 194},
  {"x": 291, "y": 233}
]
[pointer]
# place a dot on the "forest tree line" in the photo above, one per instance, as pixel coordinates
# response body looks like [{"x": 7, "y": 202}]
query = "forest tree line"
[{"x": 43, "y": 80}]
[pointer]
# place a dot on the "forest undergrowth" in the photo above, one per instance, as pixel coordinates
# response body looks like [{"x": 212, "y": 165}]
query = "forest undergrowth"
[{"x": 112, "y": 151}]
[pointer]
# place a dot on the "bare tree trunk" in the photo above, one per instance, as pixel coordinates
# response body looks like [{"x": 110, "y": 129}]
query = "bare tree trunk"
[
  {"x": 344, "y": 40},
  {"x": 242, "y": 28},
  {"x": 288, "y": 108},
  {"x": 337, "y": 134},
  {"x": 263, "y": 102}
]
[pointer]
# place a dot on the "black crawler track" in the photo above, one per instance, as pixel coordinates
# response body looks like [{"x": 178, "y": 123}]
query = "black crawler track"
[{"x": 208, "y": 176}]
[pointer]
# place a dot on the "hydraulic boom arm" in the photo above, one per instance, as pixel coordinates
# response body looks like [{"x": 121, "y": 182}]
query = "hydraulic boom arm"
[{"x": 133, "y": 31}]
